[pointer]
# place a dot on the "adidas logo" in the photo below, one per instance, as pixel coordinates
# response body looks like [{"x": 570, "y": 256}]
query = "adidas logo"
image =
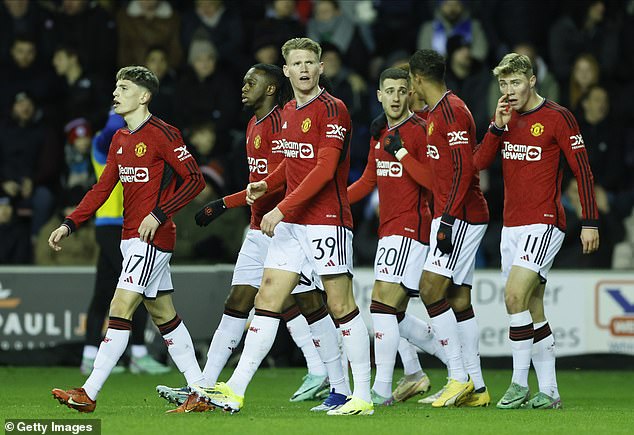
[
  {"x": 330, "y": 263},
  {"x": 384, "y": 270},
  {"x": 120, "y": 150},
  {"x": 129, "y": 279},
  {"x": 285, "y": 125},
  {"x": 524, "y": 257},
  {"x": 437, "y": 263}
]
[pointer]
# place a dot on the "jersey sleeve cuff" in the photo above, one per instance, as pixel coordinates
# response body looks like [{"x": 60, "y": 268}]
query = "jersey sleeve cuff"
[
  {"x": 496, "y": 130},
  {"x": 400, "y": 154},
  {"x": 447, "y": 219},
  {"x": 590, "y": 223},
  {"x": 70, "y": 225},
  {"x": 159, "y": 215}
]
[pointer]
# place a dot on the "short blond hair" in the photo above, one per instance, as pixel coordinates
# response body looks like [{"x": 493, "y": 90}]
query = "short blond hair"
[
  {"x": 514, "y": 63},
  {"x": 301, "y": 44}
]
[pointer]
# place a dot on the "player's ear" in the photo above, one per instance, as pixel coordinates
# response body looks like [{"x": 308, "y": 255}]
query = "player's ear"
[
  {"x": 532, "y": 81},
  {"x": 378, "y": 95},
  {"x": 285, "y": 69},
  {"x": 271, "y": 89}
]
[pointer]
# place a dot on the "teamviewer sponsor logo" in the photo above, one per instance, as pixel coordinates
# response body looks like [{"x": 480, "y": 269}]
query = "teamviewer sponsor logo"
[
  {"x": 336, "y": 131},
  {"x": 131, "y": 174},
  {"x": 258, "y": 166},
  {"x": 297, "y": 150},
  {"x": 457, "y": 138},
  {"x": 432, "y": 152},
  {"x": 615, "y": 307},
  {"x": 529, "y": 153},
  {"x": 388, "y": 169}
]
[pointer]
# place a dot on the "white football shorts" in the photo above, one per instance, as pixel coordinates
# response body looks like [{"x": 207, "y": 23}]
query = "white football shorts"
[
  {"x": 532, "y": 247},
  {"x": 459, "y": 265}
]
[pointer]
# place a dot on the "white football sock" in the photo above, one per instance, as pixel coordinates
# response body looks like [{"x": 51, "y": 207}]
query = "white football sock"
[
  {"x": 181, "y": 349},
  {"x": 469, "y": 334},
  {"x": 356, "y": 342},
  {"x": 110, "y": 350},
  {"x": 300, "y": 333},
  {"x": 521, "y": 336},
  {"x": 421, "y": 334},
  {"x": 259, "y": 340},
  {"x": 324, "y": 335},
  {"x": 543, "y": 355},
  {"x": 386, "y": 338},
  {"x": 445, "y": 328},
  {"x": 409, "y": 358},
  {"x": 225, "y": 340}
]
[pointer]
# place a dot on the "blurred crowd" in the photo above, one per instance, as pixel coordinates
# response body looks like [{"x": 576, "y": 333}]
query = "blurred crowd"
[{"x": 58, "y": 60}]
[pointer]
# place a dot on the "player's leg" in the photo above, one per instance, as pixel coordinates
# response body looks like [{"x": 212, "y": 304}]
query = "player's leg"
[
  {"x": 543, "y": 355},
  {"x": 316, "y": 380},
  {"x": 469, "y": 332},
  {"x": 386, "y": 297}
]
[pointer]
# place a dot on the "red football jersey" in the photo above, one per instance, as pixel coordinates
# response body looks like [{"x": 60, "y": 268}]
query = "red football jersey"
[
  {"x": 148, "y": 162},
  {"x": 403, "y": 208},
  {"x": 451, "y": 140},
  {"x": 322, "y": 122},
  {"x": 264, "y": 153},
  {"x": 531, "y": 148}
]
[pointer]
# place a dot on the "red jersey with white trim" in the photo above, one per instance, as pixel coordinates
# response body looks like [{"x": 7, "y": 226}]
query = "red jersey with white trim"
[
  {"x": 403, "y": 208},
  {"x": 322, "y": 122},
  {"x": 148, "y": 162},
  {"x": 531, "y": 149},
  {"x": 264, "y": 154},
  {"x": 451, "y": 140}
]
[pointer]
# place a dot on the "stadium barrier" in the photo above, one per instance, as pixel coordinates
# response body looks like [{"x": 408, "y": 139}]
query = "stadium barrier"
[{"x": 590, "y": 312}]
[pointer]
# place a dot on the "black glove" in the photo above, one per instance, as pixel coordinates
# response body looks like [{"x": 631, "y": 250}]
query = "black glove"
[
  {"x": 393, "y": 143},
  {"x": 377, "y": 126},
  {"x": 210, "y": 212},
  {"x": 443, "y": 237}
]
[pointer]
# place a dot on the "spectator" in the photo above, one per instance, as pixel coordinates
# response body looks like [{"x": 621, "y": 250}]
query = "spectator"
[
  {"x": 329, "y": 24},
  {"x": 204, "y": 93},
  {"x": 279, "y": 25},
  {"x": 451, "y": 17},
  {"x": 14, "y": 233},
  {"x": 583, "y": 29},
  {"x": 79, "y": 171},
  {"x": 467, "y": 78},
  {"x": 30, "y": 160},
  {"x": 83, "y": 95},
  {"x": 25, "y": 73},
  {"x": 162, "y": 104},
  {"x": 213, "y": 21},
  {"x": 92, "y": 31},
  {"x": 24, "y": 18},
  {"x": 584, "y": 73},
  {"x": 143, "y": 24}
]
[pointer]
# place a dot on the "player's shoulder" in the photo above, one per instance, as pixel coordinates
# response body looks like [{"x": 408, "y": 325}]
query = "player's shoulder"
[
  {"x": 418, "y": 122},
  {"x": 270, "y": 123},
  {"x": 450, "y": 109},
  {"x": 332, "y": 105},
  {"x": 560, "y": 113},
  {"x": 170, "y": 132}
]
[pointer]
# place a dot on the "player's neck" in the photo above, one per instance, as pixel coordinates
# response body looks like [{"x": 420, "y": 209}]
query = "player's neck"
[
  {"x": 263, "y": 110},
  {"x": 434, "y": 93},
  {"x": 304, "y": 97},
  {"x": 137, "y": 117},
  {"x": 391, "y": 122}
]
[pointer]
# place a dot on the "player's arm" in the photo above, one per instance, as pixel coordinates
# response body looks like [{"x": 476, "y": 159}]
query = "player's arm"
[
  {"x": 486, "y": 150},
  {"x": 571, "y": 143},
  {"x": 364, "y": 185},
  {"x": 273, "y": 182},
  {"x": 420, "y": 172},
  {"x": 89, "y": 204},
  {"x": 193, "y": 183}
]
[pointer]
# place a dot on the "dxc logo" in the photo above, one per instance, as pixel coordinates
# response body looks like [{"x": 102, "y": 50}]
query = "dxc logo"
[
  {"x": 457, "y": 137},
  {"x": 576, "y": 141},
  {"x": 336, "y": 131}
]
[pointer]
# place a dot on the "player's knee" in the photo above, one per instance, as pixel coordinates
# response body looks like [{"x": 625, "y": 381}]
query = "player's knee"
[
  {"x": 309, "y": 302},
  {"x": 241, "y": 301},
  {"x": 120, "y": 308},
  {"x": 515, "y": 302},
  {"x": 267, "y": 300}
]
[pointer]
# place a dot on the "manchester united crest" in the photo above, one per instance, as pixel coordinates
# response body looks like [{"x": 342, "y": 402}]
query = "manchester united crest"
[
  {"x": 537, "y": 129},
  {"x": 140, "y": 149},
  {"x": 257, "y": 142},
  {"x": 430, "y": 129},
  {"x": 306, "y": 125}
]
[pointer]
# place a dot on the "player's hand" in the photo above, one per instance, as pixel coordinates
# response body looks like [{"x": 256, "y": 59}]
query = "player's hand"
[
  {"x": 377, "y": 126},
  {"x": 210, "y": 212},
  {"x": 148, "y": 228},
  {"x": 393, "y": 144},
  {"x": 270, "y": 221},
  {"x": 589, "y": 239},
  {"x": 443, "y": 237},
  {"x": 255, "y": 191},
  {"x": 502, "y": 112},
  {"x": 56, "y": 236}
]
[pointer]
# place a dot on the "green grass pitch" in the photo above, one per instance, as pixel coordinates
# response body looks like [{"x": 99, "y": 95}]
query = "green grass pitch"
[{"x": 596, "y": 402}]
